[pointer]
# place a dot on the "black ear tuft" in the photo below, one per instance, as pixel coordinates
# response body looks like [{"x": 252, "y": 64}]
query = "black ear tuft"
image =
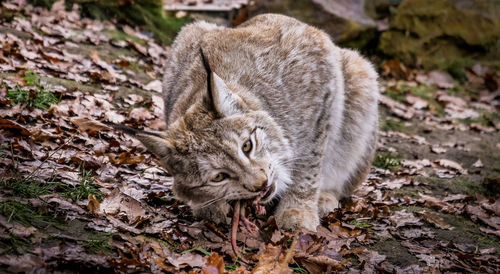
[{"x": 209, "y": 74}]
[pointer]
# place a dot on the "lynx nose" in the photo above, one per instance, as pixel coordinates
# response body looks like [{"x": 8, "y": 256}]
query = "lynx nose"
[
  {"x": 261, "y": 183},
  {"x": 261, "y": 186}
]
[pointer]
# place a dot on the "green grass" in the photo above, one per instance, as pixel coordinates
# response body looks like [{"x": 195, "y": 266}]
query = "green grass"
[
  {"x": 18, "y": 95},
  {"x": 428, "y": 93},
  {"x": 15, "y": 245},
  {"x": 362, "y": 225},
  {"x": 236, "y": 263},
  {"x": 387, "y": 160},
  {"x": 30, "y": 78},
  {"x": 298, "y": 269},
  {"x": 201, "y": 250},
  {"x": 39, "y": 97},
  {"x": 392, "y": 125},
  {"x": 26, "y": 215},
  {"x": 146, "y": 14},
  {"x": 99, "y": 243},
  {"x": 395, "y": 94},
  {"x": 44, "y": 99},
  {"x": 463, "y": 185},
  {"x": 411, "y": 208},
  {"x": 118, "y": 35},
  {"x": 29, "y": 188},
  {"x": 485, "y": 118},
  {"x": 232, "y": 267},
  {"x": 4, "y": 151},
  {"x": 82, "y": 190}
]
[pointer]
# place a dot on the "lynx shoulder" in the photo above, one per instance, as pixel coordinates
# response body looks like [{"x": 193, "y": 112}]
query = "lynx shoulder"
[{"x": 269, "y": 111}]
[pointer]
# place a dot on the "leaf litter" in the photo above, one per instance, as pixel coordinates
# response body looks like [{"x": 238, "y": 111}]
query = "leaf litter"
[{"x": 125, "y": 194}]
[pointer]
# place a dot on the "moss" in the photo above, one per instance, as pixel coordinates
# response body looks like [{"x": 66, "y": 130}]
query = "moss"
[
  {"x": 465, "y": 231},
  {"x": 42, "y": 3},
  {"x": 395, "y": 253},
  {"x": 485, "y": 118},
  {"x": 147, "y": 14},
  {"x": 387, "y": 160},
  {"x": 464, "y": 34},
  {"x": 118, "y": 35},
  {"x": 395, "y": 94},
  {"x": 392, "y": 125},
  {"x": 411, "y": 209},
  {"x": 99, "y": 243},
  {"x": 463, "y": 185},
  {"x": 428, "y": 93}
]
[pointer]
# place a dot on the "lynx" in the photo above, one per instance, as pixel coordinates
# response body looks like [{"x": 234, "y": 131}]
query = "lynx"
[{"x": 270, "y": 111}]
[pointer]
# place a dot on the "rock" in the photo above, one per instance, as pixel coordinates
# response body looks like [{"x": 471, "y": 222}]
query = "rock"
[
  {"x": 443, "y": 34},
  {"x": 345, "y": 20}
]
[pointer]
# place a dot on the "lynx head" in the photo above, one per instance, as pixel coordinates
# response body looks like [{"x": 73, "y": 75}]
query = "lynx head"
[{"x": 223, "y": 148}]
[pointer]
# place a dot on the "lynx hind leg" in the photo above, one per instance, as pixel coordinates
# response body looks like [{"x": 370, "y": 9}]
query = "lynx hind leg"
[{"x": 328, "y": 202}]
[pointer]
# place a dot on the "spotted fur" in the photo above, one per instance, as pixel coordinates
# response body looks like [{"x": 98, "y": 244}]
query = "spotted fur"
[{"x": 308, "y": 107}]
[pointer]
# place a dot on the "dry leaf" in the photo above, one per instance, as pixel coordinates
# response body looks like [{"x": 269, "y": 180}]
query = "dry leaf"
[
  {"x": 270, "y": 261},
  {"x": 402, "y": 218},
  {"x": 214, "y": 265},
  {"x": 85, "y": 124},
  {"x": 434, "y": 220},
  {"x": 13, "y": 126}
]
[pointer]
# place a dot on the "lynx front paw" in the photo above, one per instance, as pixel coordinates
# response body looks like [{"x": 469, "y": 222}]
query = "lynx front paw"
[
  {"x": 327, "y": 203},
  {"x": 216, "y": 213},
  {"x": 294, "y": 218}
]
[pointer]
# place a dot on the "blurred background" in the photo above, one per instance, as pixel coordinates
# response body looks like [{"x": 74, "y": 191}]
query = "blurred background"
[{"x": 449, "y": 35}]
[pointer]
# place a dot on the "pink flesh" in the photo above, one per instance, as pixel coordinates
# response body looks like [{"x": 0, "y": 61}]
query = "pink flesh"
[
  {"x": 251, "y": 227},
  {"x": 239, "y": 211},
  {"x": 261, "y": 210},
  {"x": 234, "y": 229}
]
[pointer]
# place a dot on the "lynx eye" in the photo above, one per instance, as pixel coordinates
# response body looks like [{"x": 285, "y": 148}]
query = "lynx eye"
[
  {"x": 220, "y": 177},
  {"x": 247, "y": 146}
]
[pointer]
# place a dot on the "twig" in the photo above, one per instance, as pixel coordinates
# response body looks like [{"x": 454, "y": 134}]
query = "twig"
[
  {"x": 48, "y": 157},
  {"x": 289, "y": 255}
]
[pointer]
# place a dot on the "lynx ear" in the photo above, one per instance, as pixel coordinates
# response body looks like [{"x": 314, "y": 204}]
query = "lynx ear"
[
  {"x": 157, "y": 145},
  {"x": 219, "y": 96},
  {"x": 225, "y": 102}
]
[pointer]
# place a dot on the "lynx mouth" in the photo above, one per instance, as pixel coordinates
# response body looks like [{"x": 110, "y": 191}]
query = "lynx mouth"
[
  {"x": 239, "y": 213},
  {"x": 266, "y": 194}
]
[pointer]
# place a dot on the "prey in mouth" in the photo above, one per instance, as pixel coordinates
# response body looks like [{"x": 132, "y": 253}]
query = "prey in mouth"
[{"x": 239, "y": 213}]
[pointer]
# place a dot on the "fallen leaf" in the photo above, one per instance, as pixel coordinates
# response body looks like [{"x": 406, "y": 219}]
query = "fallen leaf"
[
  {"x": 395, "y": 183},
  {"x": 439, "y": 204},
  {"x": 14, "y": 127},
  {"x": 191, "y": 259},
  {"x": 85, "y": 124},
  {"x": 214, "y": 265},
  {"x": 450, "y": 164},
  {"x": 140, "y": 114},
  {"x": 154, "y": 86},
  {"x": 270, "y": 260},
  {"x": 402, "y": 218},
  {"x": 438, "y": 149},
  {"x": 434, "y": 220},
  {"x": 119, "y": 204},
  {"x": 477, "y": 213}
]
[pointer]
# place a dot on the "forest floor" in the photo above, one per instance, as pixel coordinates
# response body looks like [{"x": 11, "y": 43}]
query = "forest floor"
[{"x": 76, "y": 195}]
